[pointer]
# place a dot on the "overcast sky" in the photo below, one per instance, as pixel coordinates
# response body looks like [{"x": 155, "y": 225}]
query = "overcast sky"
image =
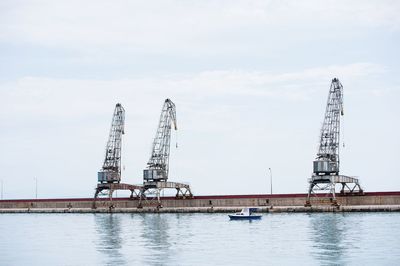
[{"x": 249, "y": 79}]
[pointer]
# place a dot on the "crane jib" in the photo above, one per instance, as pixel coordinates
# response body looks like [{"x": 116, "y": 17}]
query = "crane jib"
[
  {"x": 111, "y": 170},
  {"x": 158, "y": 164}
]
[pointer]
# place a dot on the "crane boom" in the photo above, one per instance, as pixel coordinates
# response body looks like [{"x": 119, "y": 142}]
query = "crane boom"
[
  {"x": 327, "y": 160},
  {"x": 158, "y": 164},
  {"x": 111, "y": 170}
]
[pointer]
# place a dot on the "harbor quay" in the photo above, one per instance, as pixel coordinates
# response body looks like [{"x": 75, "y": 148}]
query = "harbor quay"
[{"x": 276, "y": 203}]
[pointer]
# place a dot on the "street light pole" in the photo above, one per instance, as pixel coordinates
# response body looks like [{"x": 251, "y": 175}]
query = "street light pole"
[
  {"x": 270, "y": 174},
  {"x": 36, "y": 187},
  {"x": 2, "y": 189}
]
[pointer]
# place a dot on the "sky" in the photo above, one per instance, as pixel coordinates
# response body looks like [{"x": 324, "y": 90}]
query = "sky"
[{"x": 250, "y": 81}]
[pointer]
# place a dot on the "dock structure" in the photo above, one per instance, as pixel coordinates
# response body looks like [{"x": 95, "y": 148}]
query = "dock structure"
[
  {"x": 369, "y": 201},
  {"x": 279, "y": 209}
]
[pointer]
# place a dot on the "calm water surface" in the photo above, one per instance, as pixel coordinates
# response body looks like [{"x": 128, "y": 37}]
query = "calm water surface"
[{"x": 200, "y": 239}]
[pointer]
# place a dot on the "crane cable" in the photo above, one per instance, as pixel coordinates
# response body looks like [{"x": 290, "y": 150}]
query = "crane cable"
[
  {"x": 176, "y": 139},
  {"x": 341, "y": 117},
  {"x": 342, "y": 124},
  {"x": 176, "y": 156}
]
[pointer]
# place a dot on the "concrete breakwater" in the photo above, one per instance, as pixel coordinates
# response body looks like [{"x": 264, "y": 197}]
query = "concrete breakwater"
[
  {"x": 279, "y": 209},
  {"x": 370, "y": 201}
]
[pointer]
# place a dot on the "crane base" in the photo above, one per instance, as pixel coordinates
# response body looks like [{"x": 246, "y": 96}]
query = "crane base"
[
  {"x": 327, "y": 183},
  {"x": 111, "y": 187},
  {"x": 151, "y": 191}
]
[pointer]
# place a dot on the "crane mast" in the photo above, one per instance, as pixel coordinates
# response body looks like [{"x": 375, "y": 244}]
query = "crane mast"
[
  {"x": 111, "y": 170},
  {"x": 327, "y": 161},
  {"x": 158, "y": 165}
]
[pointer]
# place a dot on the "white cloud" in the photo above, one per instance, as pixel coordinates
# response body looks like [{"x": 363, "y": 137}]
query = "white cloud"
[
  {"x": 39, "y": 95},
  {"x": 204, "y": 26}
]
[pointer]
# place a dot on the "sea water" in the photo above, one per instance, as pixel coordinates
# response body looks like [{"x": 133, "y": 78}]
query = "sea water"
[{"x": 200, "y": 239}]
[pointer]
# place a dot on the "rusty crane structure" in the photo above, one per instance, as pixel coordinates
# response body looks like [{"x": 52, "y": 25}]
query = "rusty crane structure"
[
  {"x": 109, "y": 177},
  {"x": 155, "y": 176},
  {"x": 326, "y": 165}
]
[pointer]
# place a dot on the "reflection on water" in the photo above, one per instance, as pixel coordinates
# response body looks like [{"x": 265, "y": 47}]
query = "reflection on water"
[
  {"x": 146, "y": 238},
  {"x": 110, "y": 242},
  {"x": 156, "y": 237},
  {"x": 327, "y": 233}
]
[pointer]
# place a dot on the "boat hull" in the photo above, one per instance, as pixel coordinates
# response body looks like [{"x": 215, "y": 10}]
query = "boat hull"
[{"x": 245, "y": 217}]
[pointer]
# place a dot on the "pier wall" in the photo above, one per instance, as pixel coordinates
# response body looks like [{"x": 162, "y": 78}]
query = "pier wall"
[{"x": 287, "y": 200}]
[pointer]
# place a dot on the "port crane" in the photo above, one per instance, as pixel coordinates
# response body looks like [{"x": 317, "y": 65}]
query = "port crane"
[
  {"x": 155, "y": 176},
  {"x": 109, "y": 177},
  {"x": 326, "y": 165},
  {"x": 111, "y": 170}
]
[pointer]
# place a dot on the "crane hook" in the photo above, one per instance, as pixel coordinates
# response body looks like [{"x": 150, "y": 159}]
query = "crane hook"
[{"x": 176, "y": 143}]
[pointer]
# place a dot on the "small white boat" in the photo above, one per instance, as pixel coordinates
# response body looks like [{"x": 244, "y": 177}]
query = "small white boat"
[{"x": 245, "y": 214}]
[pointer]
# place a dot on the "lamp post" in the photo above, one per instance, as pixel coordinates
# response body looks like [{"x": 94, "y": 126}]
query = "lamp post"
[
  {"x": 270, "y": 175},
  {"x": 2, "y": 189},
  {"x": 36, "y": 187}
]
